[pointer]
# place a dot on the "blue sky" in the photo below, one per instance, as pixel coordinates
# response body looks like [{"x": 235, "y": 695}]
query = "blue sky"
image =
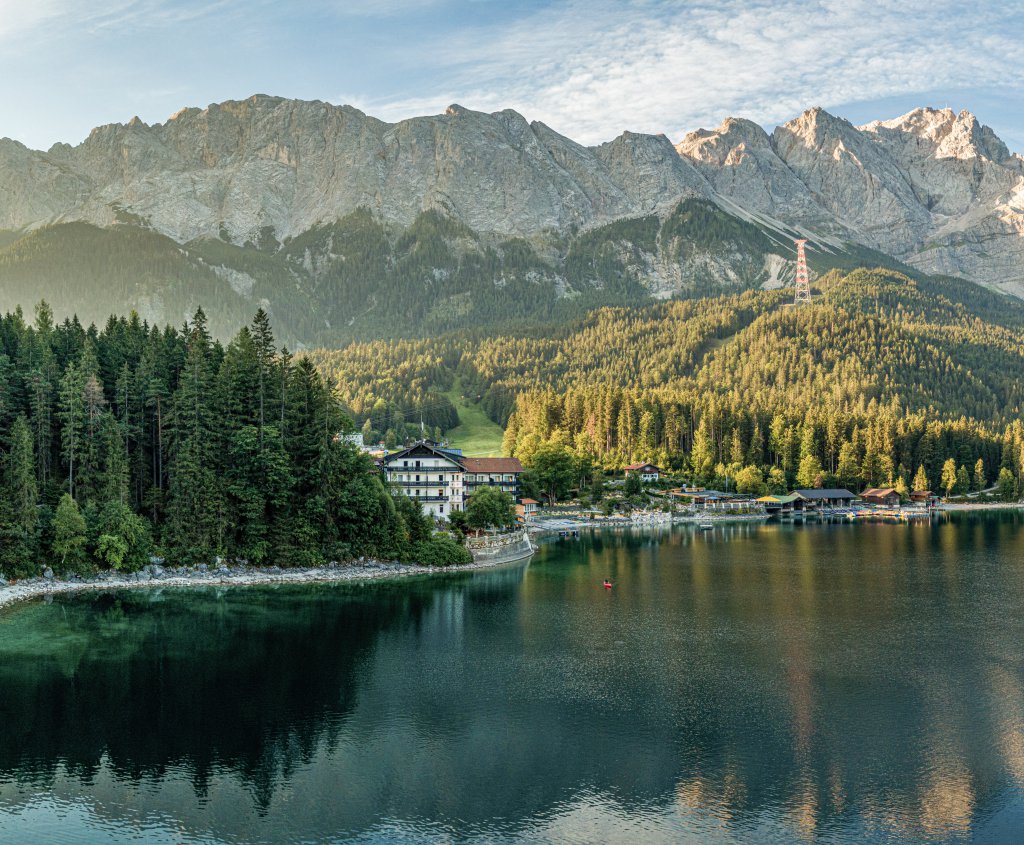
[{"x": 588, "y": 69}]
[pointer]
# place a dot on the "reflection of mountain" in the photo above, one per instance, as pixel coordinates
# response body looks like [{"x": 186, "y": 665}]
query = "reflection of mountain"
[{"x": 847, "y": 679}]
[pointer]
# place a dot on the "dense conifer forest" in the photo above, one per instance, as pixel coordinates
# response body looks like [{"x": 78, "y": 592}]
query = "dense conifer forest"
[
  {"x": 884, "y": 380},
  {"x": 131, "y": 441}
]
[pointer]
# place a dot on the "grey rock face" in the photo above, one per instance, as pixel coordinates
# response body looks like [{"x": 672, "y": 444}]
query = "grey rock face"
[
  {"x": 740, "y": 162},
  {"x": 290, "y": 165},
  {"x": 933, "y": 188}
]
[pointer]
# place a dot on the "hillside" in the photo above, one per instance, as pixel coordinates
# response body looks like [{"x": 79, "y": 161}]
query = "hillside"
[
  {"x": 361, "y": 278},
  {"x": 899, "y": 368}
]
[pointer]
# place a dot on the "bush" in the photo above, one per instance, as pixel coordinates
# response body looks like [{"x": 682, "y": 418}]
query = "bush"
[{"x": 440, "y": 551}]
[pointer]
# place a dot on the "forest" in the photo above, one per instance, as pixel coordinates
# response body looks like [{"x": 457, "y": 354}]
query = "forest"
[
  {"x": 884, "y": 380},
  {"x": 132, "y": 442}
]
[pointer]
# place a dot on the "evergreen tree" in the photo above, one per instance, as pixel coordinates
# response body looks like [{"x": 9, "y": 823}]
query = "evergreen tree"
[
  {"x": 949, "y": 476},
  {"x": 1007, "y": 485},
  {"x": 810, "y": 472},
  {"x": 921, "y": 479},
  {"x": 69, "y": 535},
  {"x": 19, "y": 498},
  {"x": 71, "y": 413},
  {"x": 979, "y": 475}
]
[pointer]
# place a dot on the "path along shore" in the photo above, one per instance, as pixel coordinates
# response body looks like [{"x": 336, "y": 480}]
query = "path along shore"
[{"x": 245, "y": 576}]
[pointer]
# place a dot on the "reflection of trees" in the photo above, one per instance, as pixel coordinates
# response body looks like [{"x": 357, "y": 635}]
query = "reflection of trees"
[
  {"x": 819, "y": 677},
  {"x": 248, "y": 680}
]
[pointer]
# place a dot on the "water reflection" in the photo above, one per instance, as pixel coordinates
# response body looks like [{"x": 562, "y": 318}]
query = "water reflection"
[{"x": 778, "y": 683}]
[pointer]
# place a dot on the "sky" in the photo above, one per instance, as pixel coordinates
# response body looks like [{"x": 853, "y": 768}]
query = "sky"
[{"x": 590, "y": 69}]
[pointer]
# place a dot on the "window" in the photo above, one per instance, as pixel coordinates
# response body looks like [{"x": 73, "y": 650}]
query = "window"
[
  {"x": 417, "y": 477},
  {"x": 405, "y": 463},
  {"x": 440, "y": 508}
]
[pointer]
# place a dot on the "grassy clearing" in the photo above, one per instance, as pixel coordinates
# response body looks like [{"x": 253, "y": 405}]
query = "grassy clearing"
[{"x": 477, "y": 435}]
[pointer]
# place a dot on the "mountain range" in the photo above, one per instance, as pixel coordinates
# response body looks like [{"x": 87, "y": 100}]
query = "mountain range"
[{"x": 345, "y": 226}]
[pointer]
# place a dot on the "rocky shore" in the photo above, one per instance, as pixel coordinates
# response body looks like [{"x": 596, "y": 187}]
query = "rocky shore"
[{"x": 155, "y": 575}]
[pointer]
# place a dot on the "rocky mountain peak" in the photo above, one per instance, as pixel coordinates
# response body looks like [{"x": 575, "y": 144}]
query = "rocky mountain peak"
[
  {"x": 948, "y": 134},
  {"x": 816, "y": 129},
  {"x": 735, "y": 135},
  {"x": 933, "y": 187}
]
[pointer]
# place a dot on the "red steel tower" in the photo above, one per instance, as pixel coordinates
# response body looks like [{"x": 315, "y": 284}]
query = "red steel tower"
[{"x": 803, "y": 285}]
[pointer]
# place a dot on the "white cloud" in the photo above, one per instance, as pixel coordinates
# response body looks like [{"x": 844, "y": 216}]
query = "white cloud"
[
  {"x": 592, "y": 68},
  {"x": 17, "y": 16}
]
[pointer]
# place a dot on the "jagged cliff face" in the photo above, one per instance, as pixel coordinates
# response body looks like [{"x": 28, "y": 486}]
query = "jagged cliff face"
[
  {"x": 242, "y": 166},
  {"x": 934, "y": 189}
]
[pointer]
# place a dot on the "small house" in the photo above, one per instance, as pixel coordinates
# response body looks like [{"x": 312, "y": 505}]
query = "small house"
[
  {"x": 647, "y": 472},
  {"x": 527, "y": 509},
  {"x": 924, "y": 498},
  {"x": 885, "y": 497}
]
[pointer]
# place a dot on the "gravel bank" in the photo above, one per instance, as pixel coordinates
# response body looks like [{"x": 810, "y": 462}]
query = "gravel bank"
[{"x": 232, "y": 576}]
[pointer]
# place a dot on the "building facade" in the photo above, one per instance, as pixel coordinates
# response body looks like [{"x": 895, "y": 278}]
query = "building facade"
[
  {"x": 441, "y": 479},
  {"x": 883, "y": 496},
  {"x": 502, "y": 473},
  {"x": 527, "y": 509},
  {"x": 828, "y": 497},
  {"x": 430, "y": 475},
  {"x": 647, "y": 472}
]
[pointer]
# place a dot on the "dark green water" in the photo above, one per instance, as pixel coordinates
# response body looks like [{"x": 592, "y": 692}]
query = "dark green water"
[{"x": 832, "y": 684}]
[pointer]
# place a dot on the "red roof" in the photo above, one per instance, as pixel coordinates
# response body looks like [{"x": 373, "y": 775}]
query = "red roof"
[
  {"x": 529, "y": 502},
  {"x": 643, "y": 466},
  {"x": 492, "y": 464}
]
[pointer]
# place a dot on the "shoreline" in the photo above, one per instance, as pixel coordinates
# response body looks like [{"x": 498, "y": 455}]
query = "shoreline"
[
  {"x": 978, "y": 506},
  {"x": 155, "y": 576}
]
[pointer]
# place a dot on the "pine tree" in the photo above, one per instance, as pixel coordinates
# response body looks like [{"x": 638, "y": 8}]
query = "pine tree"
[
  {"x": 949, "y": 476},
  {"x": 71, "y": 413},
  {"x": 921, "y": 479},
  {"x": 979, "y": 475},
  {"x": 19, "y": 498},
  {"x": 263, "y": 342}
]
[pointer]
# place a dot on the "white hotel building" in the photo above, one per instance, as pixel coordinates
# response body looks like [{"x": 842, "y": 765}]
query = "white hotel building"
[{"x": 441, "y": 480}]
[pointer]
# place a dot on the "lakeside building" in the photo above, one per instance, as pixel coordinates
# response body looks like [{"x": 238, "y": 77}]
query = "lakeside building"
[
  {"x": 647, "y": 472},
  {"x": 924, "y": 498},
  {"x": 527, "y": 509},
  {"x": 442, "y": 479},
  {"x": 502, "y": 473},
  {"x": 714, "y": 500},
  {"x": 781, "y": 504},
  {"x": 825, "y": 497},
  {"x": 885, "y": 496}
]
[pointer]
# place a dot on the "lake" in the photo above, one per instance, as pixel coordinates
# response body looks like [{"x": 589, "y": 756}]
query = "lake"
[{"x": 841, "y": 683}]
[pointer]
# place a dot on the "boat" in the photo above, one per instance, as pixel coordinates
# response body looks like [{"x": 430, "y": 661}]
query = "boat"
[{"x": 706, "y": 526}]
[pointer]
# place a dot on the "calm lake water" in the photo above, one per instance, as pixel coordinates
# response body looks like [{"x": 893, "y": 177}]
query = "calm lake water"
[{"x": 821, "y": 683}]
